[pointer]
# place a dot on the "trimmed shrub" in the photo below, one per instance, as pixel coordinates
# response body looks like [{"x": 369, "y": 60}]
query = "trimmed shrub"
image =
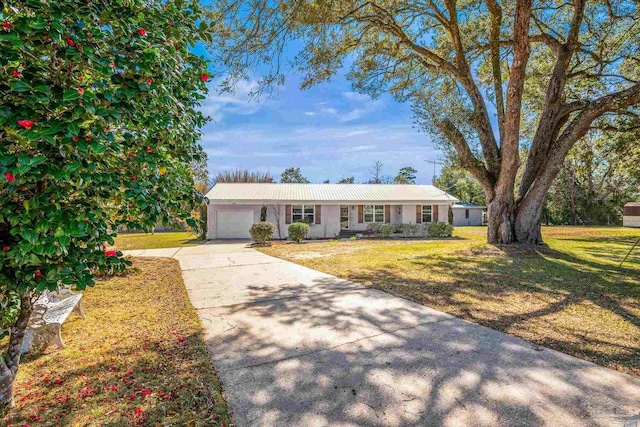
[
  {"x": 440, "y": 229},
  {"x": 409, "y": 230},
  {"x": 261, "y": 232},
  {"x": 381, "y": 230},
  {"x": 298, "y": 231}
]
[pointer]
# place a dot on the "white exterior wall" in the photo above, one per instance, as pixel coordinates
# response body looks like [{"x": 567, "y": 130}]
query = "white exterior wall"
[
  {"x": 459, "y": 220},
  {"x": 329, "y": 227},
  {"x": 631, "y": 221},
  {"x": 330, "y": 217}
]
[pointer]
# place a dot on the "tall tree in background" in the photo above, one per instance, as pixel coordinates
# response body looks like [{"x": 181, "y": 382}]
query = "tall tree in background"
[
  {"x": 98, "y": 127},
  {"x": 459, "y": 183},
  {"x": 376, "y": 174},
  {"x": 406, "y": 175},
  {"x": 553, "y": 72},
  {"x": 293, "y": 176},
  {"x": 241, "y": 176},
  {"x": 349, "y": 180}
]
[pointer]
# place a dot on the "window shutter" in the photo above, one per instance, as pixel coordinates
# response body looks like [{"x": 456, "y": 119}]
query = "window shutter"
[
  {"x": 387, "y": 213},
  {"x": 434, "y": 214},
  {"x": 287, "y": 214},
  {"x": 318, "y": 214},
  {"x": 360, "y": 214},
  {"x": 419, "y": 214}
]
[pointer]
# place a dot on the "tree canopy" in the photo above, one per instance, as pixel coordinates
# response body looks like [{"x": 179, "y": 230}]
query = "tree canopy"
[
  {"x": 99, "y": 127},
  {"x": 239, "y": 175},
  {"x": 293, "y": 175},
  {"x": 406, "y": 175},
  {"x": 485, "y": 77}
]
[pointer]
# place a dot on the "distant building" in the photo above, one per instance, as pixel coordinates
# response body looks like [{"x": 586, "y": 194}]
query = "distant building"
[
  {"x": 631, "y": 215},
  {"x": 467, "y": 214}
]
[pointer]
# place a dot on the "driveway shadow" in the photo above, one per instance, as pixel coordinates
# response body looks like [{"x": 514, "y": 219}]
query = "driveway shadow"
[{"x": 362, "y": 357}]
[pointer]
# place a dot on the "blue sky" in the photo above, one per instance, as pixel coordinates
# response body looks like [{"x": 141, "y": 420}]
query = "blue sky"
[{"x": 328, "y": 131}]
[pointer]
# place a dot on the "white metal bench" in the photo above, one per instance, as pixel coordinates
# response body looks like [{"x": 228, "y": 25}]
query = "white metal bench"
[{"x": 48, "y": 314}]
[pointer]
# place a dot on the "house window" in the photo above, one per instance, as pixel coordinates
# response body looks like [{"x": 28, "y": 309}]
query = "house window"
[
  {"x": 374, "y": 213},
  {"x": 426, "y": 213},
  {"x": 303, "y": 213},
  {"x": 466, "y": 213}
]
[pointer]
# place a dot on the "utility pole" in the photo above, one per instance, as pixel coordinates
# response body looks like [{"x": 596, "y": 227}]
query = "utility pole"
[{"x": 433, "y": 178}]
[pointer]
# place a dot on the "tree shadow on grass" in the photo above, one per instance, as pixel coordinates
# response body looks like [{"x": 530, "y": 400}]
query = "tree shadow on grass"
[{"x": 291, "y": 355}]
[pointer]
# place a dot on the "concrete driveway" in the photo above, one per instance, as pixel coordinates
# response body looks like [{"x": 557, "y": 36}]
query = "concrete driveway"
[{"x": 296, "y": 347}]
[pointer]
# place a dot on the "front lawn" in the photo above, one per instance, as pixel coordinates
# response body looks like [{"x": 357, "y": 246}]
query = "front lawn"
[
  {"x": 128, "y": 241},
  {"x": 137, "y": 359},
  {"x": 569, "y": 296}
]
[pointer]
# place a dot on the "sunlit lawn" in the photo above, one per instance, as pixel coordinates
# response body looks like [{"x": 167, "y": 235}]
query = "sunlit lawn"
[
  {"x": 137, "y": 359},
  {"x": 569, "y": 296},
  {"x": 155, "y": 241}
]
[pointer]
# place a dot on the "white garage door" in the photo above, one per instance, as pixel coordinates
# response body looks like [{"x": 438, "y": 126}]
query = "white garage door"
[{"x": 234, "y": 225}]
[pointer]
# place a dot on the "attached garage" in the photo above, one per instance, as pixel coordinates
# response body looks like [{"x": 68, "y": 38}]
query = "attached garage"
[
  {"x": 631, "y": 215},
  {"x": 234, "y": 224}
]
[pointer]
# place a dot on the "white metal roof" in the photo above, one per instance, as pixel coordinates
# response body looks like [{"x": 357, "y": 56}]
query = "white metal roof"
[
  {"x": 244, "y": 193},
  {"x": 463, "y": 205}
]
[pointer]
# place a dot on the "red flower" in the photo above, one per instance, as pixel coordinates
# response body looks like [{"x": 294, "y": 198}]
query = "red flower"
[
  {"x": 181, "y": 339},
  {"x": 70, "y": 41},
  {"x": 9, "y": 177},
  {"x": 7, "y": 25},
  {"x": 148, "y": 150},
  {"x": 139, "y": 412},
  {"x": 27, "y": 124},
  {"x": 38, "y": 273},
  {"x": 112, "y": 64},
  {"x": 89, "y": 138},
  {"x": 17, "y": 74},
  {"x": 149, "y": 81},
  {"x": 81, "y": 78},
  {"x": 5, "y": 248},
  {"x": 146, "y": 392},
  {"x": 142, "y": 32},
  {"x": 204, "y": 77},
  {"x": 81, "y": 91},
  {"x": 75, "y": 139},
  {"x": 110, "y": 253}
]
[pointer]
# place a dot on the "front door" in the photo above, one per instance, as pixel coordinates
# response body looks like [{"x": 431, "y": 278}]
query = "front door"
[{"x": 344, "y": 217}]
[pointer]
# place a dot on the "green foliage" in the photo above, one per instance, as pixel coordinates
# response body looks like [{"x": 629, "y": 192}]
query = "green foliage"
[
  {"x": 262, "y": 232},
  {"x": 293, "y": 175},
  {"x": 353, "y": 238},
  {"x": 440, "y": 229},
  {"x": 99, "y": 127},
  {"x": 242, "y": 176},
  {"x": 596, "y": 180},
  {"x": 381, "y": 230},
  {"x": 348, "y": 180},
  {"x": 459, "y": 183},
  {"x": 406, "y": 175},
  {"x": 298, "y": 231}
]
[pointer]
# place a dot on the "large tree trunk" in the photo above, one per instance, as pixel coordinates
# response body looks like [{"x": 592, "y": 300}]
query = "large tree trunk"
[{"x": 10, "y": 361}]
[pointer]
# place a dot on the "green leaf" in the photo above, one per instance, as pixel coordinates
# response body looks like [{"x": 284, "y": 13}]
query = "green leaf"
[
  {"x": 37, "y": 24},
  {"x": 37, "y": 160},
  {"x": 70, "y": 95},
  {"x": 20, "y": 86},
  {"x": 73, "y": 128}
]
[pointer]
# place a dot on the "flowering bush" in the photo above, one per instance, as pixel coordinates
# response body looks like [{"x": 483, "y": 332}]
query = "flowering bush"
[
  {"x": 298, "y": 231},
  {"x": 99, "y": 125},
  {"x": 262, "y": 232},
  {"x": 440, "y": 229}
]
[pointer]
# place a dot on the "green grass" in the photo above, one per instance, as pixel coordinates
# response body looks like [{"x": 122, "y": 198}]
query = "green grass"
[
  {"x": 568, "y": 295},
  {"x": 134, "y": 360},
  {"x": 156, "y": 241}
]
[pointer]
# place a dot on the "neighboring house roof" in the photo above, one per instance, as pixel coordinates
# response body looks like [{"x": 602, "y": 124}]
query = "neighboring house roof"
[
  {"x": 463, "y": 205},
  {"x": 228, "y": 192}
]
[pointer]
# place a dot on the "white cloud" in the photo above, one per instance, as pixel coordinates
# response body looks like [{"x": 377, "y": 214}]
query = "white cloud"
[
  {"x": 329, "y": 111},
  {"x": 240, "y": 102},
  {"x": 309, "y": 113}
]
